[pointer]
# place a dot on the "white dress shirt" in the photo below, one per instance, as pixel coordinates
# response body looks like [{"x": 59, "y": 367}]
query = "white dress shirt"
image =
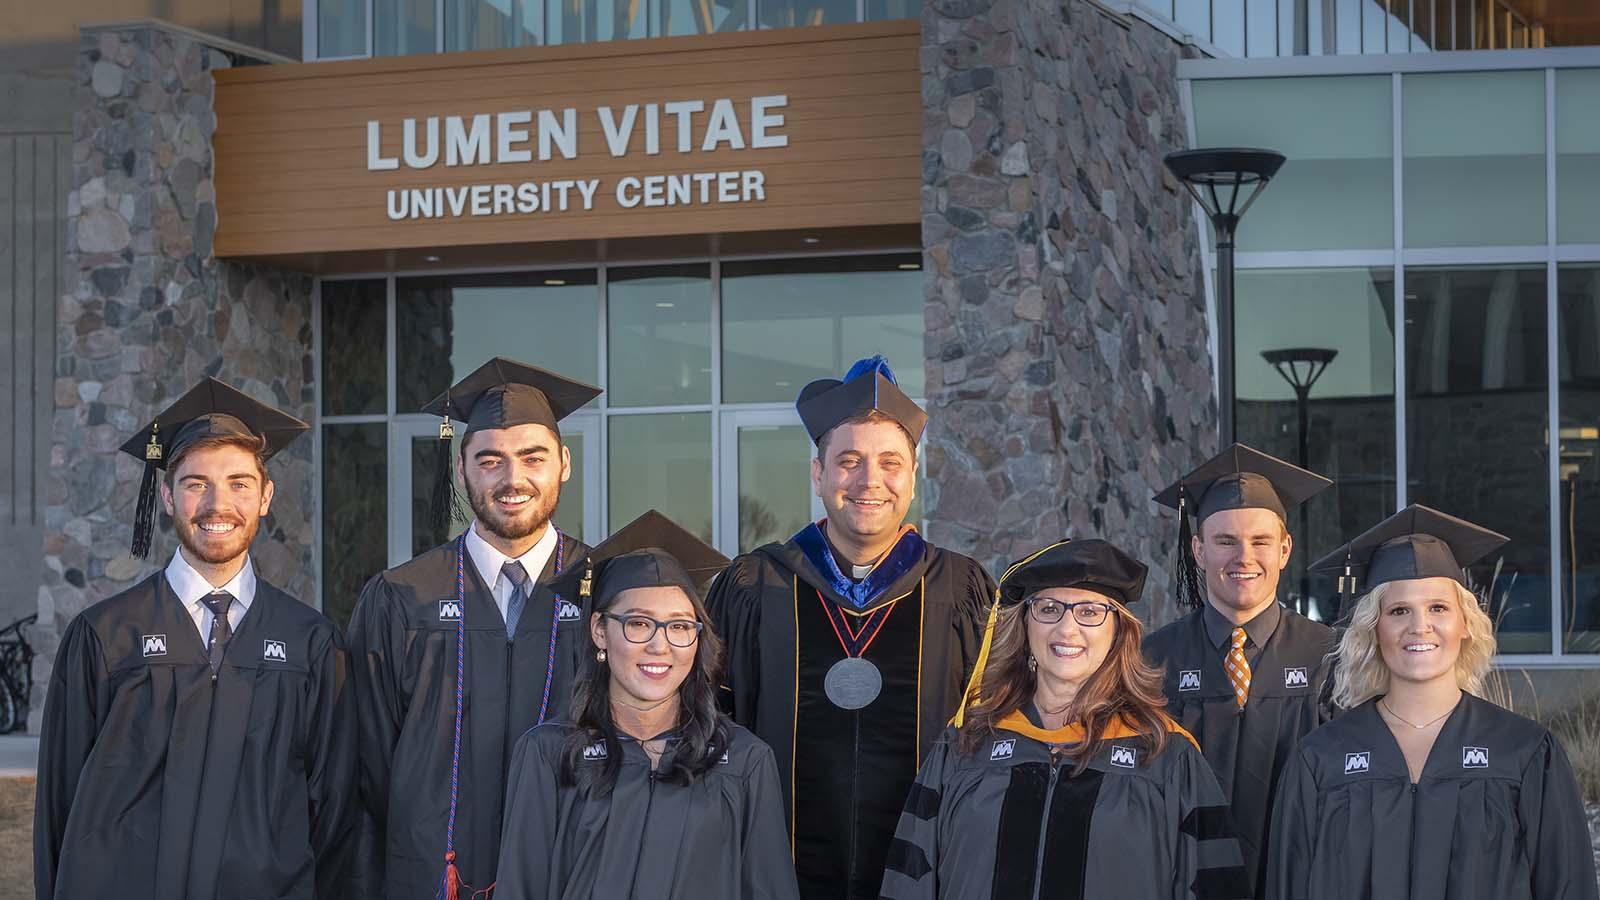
[
  {"x": 488, "y": 561},
  {"x": 192, "y": 588}
]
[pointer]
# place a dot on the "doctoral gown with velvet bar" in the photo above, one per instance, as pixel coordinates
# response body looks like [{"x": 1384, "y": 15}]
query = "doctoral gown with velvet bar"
[
  {"x": 158, "y": 780},
  {"x": 718, "y": 838},
  {"x": 1012, "y": 822},
  {"x": 1495, "y": 816},
  {"x": 403, "y": 648},
  {"x": 844, "y": 773}
]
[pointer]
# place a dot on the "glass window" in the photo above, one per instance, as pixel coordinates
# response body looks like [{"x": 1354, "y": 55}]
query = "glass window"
[
  {"x": 1336, "y": 324},
  {"x": 582, "y": 21},
  {"x": 341, "y": 28},
  {"x": 659, "y": 335},
  {"x": 403, "y": 27},
  {"x": 446, "y": 327},
  {"x": 1227, "y": 26},
  {"x": 487, "y": 24},
  {"x": 661, "y": 461},
  {"x": 793, "y": 13},
  {"x": 1477, "y": 426},
  {"x": 354, "y": 379},
  {"x": 774, "y": 483},
  {"x": 787, "y": 322},
  {"x": 704, "y": 16},
  {"x": 893, "y": 9},
  {"x": 1338, "y": 134},
  {"x": 355, "y": 510},
  {"x": 1578, "y": 156},
  {"x": 1580, "y": 457},
  {"x": 1474, "y": 159}
]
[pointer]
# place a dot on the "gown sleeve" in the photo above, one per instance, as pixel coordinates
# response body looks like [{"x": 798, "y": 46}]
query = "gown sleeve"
[
  {"x": 976, "y": 596},
  {"x": 1293, "y": 826},
  {"x": 1557, "y": 829},
  {"x": 912, "y": 871},
  {"x": 767, "y": 870},
  {"x": 67, "y": 734},
  {"x": 734, "y": 607},
  {"x": 330, "y": 768},
  {"x": 1209, "y": 863},
  {"x": 527, "y": 842},
  {"x": 376, "y": 640}
]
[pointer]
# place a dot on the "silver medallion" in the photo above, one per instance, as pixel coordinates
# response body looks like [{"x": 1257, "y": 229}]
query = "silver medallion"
[{"x": 853, "y": 683}]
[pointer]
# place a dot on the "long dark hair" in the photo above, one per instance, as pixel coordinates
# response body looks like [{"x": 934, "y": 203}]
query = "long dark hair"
[{"x": 702, "y": 729}]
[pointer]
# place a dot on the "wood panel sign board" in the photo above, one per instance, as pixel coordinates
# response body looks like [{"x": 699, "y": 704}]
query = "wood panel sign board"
[{"x": 803, "y": 128}]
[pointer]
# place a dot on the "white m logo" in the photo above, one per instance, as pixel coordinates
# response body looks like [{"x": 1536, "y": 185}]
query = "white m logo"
[
  {"x": 1474, "y": 757},
  {"x": 1125, "y": 757},
  {"x": 1189, "y": 680},
  {"x": 1002, "y": 749},
  {"x": 1357, "y": 762},
  {"x": 155, "y": 645},
  {"x": 1295, "y": 678},
  {"x": 274, "y": 650},
  {"x": 596, "y": 750},
  {"x": 449, "y": 611},
  {"x": 568, "y": 612}
]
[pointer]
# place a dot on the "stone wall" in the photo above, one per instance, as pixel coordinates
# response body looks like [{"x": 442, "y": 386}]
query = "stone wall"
[
  {"x": 146, "y": 312},
  {"x": 1067, "y": 356}
]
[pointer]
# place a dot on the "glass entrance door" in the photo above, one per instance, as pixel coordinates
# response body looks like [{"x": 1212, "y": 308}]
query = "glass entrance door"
[{"x": 766, "y": 469}]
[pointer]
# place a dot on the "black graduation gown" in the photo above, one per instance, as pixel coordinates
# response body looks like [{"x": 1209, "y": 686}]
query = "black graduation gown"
[
  {"x": 1012, "y": 823},
  {"x": 157, "y": 780},
  {"x": 720, "y": 838},
  {"x": 844, "y": 773},
  {"x": 1289, "y": 691},
  {"x": 1495, "y": 816},
  {"x": 403, "y": 644}
]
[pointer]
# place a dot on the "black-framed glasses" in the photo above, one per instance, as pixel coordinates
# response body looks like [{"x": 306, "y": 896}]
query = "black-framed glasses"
[
  {"x": 638, "y": 629},
  {"x": 1048, "y": 611}
]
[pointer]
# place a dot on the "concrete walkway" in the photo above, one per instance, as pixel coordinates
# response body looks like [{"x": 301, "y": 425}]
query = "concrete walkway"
[{"x": 19, "y": 756}]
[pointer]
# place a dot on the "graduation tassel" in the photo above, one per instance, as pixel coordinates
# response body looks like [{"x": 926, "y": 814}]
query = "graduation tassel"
[
  {"x": 145, "y": 509},
  {"x": 1186, "y": 573},
  {"x": 1347, "y": 582},
  {"x": 452, "y": 877},
  {"x": 443, "y": 502},
  {"x": 975, "y": 683}
]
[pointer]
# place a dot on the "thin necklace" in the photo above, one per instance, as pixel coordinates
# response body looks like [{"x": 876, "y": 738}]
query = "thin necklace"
[{"x": 1390, "y": 710}]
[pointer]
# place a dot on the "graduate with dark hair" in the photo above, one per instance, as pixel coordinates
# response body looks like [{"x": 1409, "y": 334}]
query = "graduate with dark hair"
[
  {"x": 650, "y": 791},
  {"x": 1424, "y": 790}
]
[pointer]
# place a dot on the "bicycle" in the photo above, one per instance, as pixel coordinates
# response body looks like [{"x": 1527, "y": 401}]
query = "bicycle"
[{"x": 16, "y": 674}]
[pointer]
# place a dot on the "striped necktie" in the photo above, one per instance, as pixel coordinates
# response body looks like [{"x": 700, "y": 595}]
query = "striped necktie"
[{"x": 1238, "y": 668}]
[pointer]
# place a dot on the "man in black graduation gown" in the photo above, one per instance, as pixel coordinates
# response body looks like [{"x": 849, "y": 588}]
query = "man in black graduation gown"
[
  {"x": 459, "y": 651},
  {"x": 1243, "y": 674},
  {"x": 848, "y": 645},
  {"x": 195, "y": 742}
]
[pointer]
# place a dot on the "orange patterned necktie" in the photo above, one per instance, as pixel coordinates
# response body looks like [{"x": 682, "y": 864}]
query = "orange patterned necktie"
[{"x": 1238, "y": 668}]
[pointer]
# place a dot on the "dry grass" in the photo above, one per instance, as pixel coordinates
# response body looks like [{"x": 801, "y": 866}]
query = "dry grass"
[
  {"x": 1578, "y": 728},
  {"x": 16, "y": 838}
]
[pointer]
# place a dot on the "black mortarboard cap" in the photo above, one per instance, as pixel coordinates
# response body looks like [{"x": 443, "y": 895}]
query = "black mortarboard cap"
[
  {"x": 650, "y": 551},
  {"x": 1416, "y": 542},
  {"x": 1093, "y": 564},
  {"x": 869, "y": 385},
  {"x": 210, "y": 409}
]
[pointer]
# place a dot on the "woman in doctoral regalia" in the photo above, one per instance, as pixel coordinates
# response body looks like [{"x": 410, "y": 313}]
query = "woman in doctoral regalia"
[
  {"x": 649, "y": 792},
  {"x": 1061, "y": 776},
  {"x": 1424, "y": 790}
]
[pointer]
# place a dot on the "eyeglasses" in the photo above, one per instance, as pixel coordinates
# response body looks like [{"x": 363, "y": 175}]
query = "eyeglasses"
[
  {"x": 1047, "y": 611},
  {"x": 642, "y": 629}
]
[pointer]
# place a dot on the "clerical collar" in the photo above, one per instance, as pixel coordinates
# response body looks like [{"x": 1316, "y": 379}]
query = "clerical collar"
[
  {"x": 907, "y": 551},
  {"x": 1220, "y": 631}
]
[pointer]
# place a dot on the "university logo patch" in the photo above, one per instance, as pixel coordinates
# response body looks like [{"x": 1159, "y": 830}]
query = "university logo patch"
[
  {"x": 1002, "y": 749},
  {"x": 1474, "y": 757},
  {"x": 155, "y": 645},
  {"x": 724, "y": 760},
  {"x": 1124, "y": 757},
  {"x": 595, "y": 751},
  {"x": 449, "y": 611},
  {"x": 1357, "y": 762},
  {"x": 1295, "y": 677},
  {"x": 1189, "y": 680},
  {"x": 274, "y": 651},
  {"x": 568, "y": 612}
]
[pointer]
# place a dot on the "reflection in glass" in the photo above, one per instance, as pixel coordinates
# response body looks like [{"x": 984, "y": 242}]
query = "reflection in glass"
[
  {"x": 661, "y": 462},
  {"x": 659, "y": 335},
  {"x": 702, "y": 16},
  {"x": 1580, "y": 456},
  {"x": 488, "y": 24},
  {"x": 402, "y": 27},
  {"x": 774, "y": 483},
  {"x": 1349, "y": 434},
  {"x": 1339, "y": 136},
  {"x": 354, "y": 370},
  {"x": 1474, "y": 159},
  {"x": 355, "y": 505},
  {"x": 446, "y": 327},
  {"x": 787, "y": 322},
  {"x": 341, "y": 28},
  {"x": 1577, "y": 156},
  {"x": 793, "y": 13},
  {"x": 893, "y": 9},
  {"x": 583, "y": 21},
  {"x": 1477, "y": 421}
]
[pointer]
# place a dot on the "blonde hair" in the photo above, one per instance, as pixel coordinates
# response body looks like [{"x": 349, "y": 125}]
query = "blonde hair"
[{"x": 1360, "y": 672}]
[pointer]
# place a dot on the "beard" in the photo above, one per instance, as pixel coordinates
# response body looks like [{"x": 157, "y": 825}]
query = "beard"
[
  {"x": 216, "y": 550},
  {"x": 514, "y": 526}
]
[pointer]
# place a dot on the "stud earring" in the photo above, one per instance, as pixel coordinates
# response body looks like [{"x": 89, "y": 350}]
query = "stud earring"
[
  {"x": 600, "y": 655},
  {"x": 1033, "y": 664}
]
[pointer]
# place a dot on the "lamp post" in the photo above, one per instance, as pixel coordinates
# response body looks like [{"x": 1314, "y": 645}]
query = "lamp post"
[
  {"x": 1301, "y": 367},
  {"x": 1225, "y": 182}
]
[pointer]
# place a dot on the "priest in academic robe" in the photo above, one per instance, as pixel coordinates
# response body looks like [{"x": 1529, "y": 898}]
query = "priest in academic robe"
[
  {"x": 1424, "y": 789},
  {"x": 460, "y": 650},
  {"x": 848, "y": 645},
  {"x": 196, "y": 741},
  {"x": 1245, "y": 675}
]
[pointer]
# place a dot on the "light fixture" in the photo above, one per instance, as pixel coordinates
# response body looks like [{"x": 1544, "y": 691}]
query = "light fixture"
[
  {"x": 664, "y": 304},
  {"x": 808, "y": 239},
  {"x": 1301, "y": 367},
  {"x": 555, "y": 282},
  {"x": 781, "y": 383},
  {"x": 910, "y": 267},
  {"x": 431, "y": 258}
]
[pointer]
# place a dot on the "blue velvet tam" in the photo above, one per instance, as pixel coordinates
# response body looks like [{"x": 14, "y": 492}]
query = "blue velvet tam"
[{"x": 869, "y": 386}]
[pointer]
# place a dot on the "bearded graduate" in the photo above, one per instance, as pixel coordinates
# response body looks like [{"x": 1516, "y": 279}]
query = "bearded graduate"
[
  {"x": 848, "y": 645},
  {"x": 1424, "y": 790},
  {"x": 195, "y": 741},
  {"x": 1243, "y": 674},
  {"x": 462, "y": 649},
  {"x": 1063, "y": 777},
  {"x": 650, "y": 791}
]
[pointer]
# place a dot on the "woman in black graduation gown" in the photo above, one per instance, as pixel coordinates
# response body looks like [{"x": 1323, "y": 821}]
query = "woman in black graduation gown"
[
  {"x": 1424, "y": 790},
  {"x": 650, "y": 792},
  {"x": 1062, "y": 777}
]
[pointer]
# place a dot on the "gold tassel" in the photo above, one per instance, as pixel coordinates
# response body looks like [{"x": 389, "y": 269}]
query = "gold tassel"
[{"x": 975, "y": 683}]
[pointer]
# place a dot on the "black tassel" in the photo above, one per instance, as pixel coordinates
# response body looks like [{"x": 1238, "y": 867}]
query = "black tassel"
[
  {"x": 443, "y": 505},
  {"x": 1191, "y": 592},
  {"x": 144, "y": 511}
]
